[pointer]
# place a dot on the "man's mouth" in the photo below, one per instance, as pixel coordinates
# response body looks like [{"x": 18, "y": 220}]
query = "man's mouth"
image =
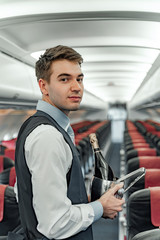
[{"x": 75, "y": 98}]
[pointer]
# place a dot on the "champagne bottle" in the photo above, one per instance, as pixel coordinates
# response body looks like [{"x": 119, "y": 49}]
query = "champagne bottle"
[
  {"x": 103, "y": 175},
  {"x": 102, "y": 169}
]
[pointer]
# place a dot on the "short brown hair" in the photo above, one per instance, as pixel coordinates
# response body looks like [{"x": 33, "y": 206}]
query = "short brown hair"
[{"x": 43, "y": 65}]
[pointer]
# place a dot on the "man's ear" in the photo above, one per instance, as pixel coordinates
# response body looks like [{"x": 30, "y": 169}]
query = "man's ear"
[{"x": 43, "y": 85}]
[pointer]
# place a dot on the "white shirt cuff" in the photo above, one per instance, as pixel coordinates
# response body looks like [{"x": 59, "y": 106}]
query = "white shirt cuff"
[{"x": 98, "y": 210}]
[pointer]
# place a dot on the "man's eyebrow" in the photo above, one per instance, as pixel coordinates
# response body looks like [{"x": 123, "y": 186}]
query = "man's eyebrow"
[
  {"x": 81, "y": 75},
  {"x": 68, "y": 75}
]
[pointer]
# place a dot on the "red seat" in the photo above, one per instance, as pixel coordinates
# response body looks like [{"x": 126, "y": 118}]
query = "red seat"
[
  {"x": 146, "y": 151},
  {"x": 5, "y": 163},
  {"x": 151, "y": 179},
  {"x": 140, "y": 145},
  {"x": 2, "y": 148},
  {"x": 9, "y": 213},
  {"x": 141, "y": 152},
  {"x": 148, "y": 126},
  {"x": 143, "y": 211},
  {"x": 133, "y": 141},
  {"x": 130, "y": 126},
  {"x": 11, "y": 144},
  {"x": 10, "y": 153},
  {"x": 137, "y": 136},
  {"x": 77, "y": 126},
  {"x": 148, "y": 162},
  {"x": 8, "y": 176},
  {"x": 12, "y": 176},
  {"x": 155, "y": 209},
  {"x": 137, "y": 145}
]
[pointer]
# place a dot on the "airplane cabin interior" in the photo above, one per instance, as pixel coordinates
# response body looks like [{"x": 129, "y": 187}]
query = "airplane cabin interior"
[{"x": 119, "y": 41}]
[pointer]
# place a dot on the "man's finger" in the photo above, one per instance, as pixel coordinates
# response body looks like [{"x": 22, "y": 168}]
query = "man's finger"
[{"x": 117, "y": 187}]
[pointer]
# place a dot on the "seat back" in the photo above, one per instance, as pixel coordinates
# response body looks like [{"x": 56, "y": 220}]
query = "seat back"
[
  {"x": 147, "y": 162},
  {"x": 147, "y": 235},
  {"x": 151, "y": 179},
  {"x": 140, "y": 214},
  {"x": 154, "y": 203},
  {"x": 137, "y": 145},
  {"x": 9, "y": 213},
  {"x": 141, "y": 152},
  {"x": 11, "y": 144},
  {"x": 8, "y": 176},
  {"x": 2, "y": 148},
  {"x": 10, "y": 153},
  {"x": 5, "y": 163}
]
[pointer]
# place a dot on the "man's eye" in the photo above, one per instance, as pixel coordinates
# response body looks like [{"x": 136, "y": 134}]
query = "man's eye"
[
  {"x": 64, "y": 79},
  {"x": 80, "y": 79}
]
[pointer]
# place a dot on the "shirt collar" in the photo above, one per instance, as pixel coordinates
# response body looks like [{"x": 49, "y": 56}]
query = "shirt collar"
[{"x": 55, "y": 113}]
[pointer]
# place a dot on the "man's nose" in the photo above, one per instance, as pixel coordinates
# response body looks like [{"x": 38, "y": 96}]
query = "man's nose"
[{"x": 75, "y": 86}]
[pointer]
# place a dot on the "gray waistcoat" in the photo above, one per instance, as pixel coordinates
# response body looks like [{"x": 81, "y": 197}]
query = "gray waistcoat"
[{"x": 76, "y": 188}]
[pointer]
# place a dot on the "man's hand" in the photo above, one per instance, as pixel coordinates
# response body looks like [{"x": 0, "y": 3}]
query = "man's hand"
[{"x": 111, "y": 204}]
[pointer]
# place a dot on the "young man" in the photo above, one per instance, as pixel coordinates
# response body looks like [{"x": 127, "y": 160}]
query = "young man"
[{"x": 51, "y": 193}]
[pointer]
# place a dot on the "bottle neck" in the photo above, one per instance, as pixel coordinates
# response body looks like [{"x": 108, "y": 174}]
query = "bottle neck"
[
  {"x": 97, "y": 149},
  {"x": 94, "y": 141}
]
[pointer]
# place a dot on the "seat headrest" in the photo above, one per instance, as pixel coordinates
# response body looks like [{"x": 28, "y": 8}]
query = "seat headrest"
[
  {"x": 149, "y": 163},
  {"x": 10, "y": 153},
  {"x": 152, "y": 178},
  {"x": 147, "y": 152}
]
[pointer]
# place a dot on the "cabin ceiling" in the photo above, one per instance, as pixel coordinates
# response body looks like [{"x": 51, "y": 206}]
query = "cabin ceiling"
[{"x": 119, "y": 41}]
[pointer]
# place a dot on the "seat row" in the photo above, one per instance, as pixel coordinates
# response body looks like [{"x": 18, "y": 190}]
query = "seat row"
[
  {"x": 82, "y": 142},
  {"x": 140, "y": 149}
]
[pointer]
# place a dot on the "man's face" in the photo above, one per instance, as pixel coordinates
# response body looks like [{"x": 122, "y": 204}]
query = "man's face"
[{"x": 65, "y": 89}]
